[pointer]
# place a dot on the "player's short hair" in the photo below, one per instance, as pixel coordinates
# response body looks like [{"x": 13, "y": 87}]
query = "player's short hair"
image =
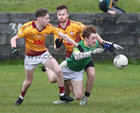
[
  {"x": 41, "y": 12},
  {"x": 87, "y": 31},
  {"x": 62, "y": 7}
]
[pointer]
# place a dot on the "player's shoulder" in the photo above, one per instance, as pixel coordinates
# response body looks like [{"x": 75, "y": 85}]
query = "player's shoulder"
[
  {"x": 26, "y": 25},
  {"x": 51, "y": 26},
  {"x": 77, "y": 23}
]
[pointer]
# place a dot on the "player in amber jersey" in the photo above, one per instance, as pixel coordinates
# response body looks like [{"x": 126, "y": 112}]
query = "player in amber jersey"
[
  {"x": 35, "y": 33},
  {"x": 73, "y": 29}
]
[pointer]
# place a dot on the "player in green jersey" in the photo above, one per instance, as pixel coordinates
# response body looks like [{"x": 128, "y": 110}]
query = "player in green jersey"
[{"x": 74, "y": 66}]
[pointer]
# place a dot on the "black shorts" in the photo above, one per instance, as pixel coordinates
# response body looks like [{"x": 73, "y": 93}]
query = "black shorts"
[
  {"x": 103, "y": 6},
  {"x": 90, "y": 64}
]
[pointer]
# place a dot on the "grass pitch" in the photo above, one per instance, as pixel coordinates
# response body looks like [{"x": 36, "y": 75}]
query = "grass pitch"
[
  {"x": 91, "y": 6},
  {"x": 115, "y": 91}
]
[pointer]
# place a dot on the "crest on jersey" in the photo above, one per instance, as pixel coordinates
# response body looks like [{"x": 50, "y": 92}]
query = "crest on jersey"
[
  {"x": 45, "y": 35},
  {"x": 71, "y": 33},
  {"x": 38, "y": 36}
]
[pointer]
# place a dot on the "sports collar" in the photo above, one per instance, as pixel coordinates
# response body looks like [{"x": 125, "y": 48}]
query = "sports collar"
[
  {"x": 86, "y": 44},
  {"x": 34, "y": 26},
  {"x": 68, "y": 23}
]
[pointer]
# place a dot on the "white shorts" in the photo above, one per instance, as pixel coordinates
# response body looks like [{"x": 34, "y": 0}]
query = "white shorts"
[
  {"x": 30, "y": 62},
  {"x": 69, "y": 74}
]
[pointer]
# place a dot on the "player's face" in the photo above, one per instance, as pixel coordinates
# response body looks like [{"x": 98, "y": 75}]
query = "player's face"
[
  {"x": 91, "y": 40},
  {"x": 44, "y": 20},
  {"x": 62, "y": 15}
]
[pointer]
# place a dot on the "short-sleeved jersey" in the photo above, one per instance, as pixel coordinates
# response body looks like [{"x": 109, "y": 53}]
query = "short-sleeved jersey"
[
  {"x": 73, "y": 30},
  {"x": 35, "y": 39},
  {"x": 78, "y": 65}
]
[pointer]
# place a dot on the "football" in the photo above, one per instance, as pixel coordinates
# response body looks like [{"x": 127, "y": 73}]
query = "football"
[{"x": 120, "y": 61}]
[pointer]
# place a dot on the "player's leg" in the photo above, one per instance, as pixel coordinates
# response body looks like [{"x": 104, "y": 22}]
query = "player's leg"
[
  {"x": 52, "y": 64},
  {"x": 67, "y": 84},
  {"x": 51, "y": 75},
  {"x": 78, "y": 89},
  {"x": 77, "y": 83},
  {"x": 25, "y": 86},
  {"x": 28, "y": 80},
  {"x": 68, "y": 87},
  {"x": 90, "y": 72},
  {"x": 76, "y": 79},
  {"x": 119, "y": 9},
  {"x": 29, "y": 70},
  {"x": 116, "y": 9}
]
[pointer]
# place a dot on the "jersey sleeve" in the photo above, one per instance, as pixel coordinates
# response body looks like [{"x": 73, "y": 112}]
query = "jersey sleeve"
[
  {"x": 54, "y": 30},
  {"x": 81, "y": 26},
  {"x": 21, "y": 32}
]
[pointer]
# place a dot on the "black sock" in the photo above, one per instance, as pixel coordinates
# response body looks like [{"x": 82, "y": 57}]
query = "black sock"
[{"x": 87, "y": 94}]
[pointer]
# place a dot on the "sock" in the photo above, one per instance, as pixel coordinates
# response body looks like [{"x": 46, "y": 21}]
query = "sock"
[
  {"x": 87, "y": 94},
  {"x": 61, "y": 91},
  {"x": 22, "y": 95}
]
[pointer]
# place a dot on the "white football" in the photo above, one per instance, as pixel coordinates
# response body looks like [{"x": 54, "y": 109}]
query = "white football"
[{"x": 120, "y": 61}]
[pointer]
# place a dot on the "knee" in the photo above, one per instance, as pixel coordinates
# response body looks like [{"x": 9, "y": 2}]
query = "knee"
[
  {"x": 79, "y": 96},
  {"x": 91, "y": 76},
  {"x": 52, "y": 79}
]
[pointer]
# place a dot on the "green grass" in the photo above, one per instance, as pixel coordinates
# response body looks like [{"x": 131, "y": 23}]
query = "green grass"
[
  {"x": 115, "y": 91},
  {"x": 73, "y": 5}
]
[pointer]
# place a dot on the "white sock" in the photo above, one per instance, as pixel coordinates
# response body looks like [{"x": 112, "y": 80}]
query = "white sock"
[
  {"x": 21, "y": 97},
  {"x": 61, "y": 94}
]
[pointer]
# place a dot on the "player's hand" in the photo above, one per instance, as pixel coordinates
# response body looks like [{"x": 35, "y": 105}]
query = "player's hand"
[
  {"x": 80, "y": 48},
  {"x": 108, "y": 46},
  {"x": 116, "y": 46},
  {"x": 16, "y": 51},
  {"x": 98, "y": 50},
  {"x": 58, "y": 42}
]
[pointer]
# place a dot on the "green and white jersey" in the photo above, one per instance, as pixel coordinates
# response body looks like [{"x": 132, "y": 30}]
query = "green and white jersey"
[{"x": 78, "y": 65}]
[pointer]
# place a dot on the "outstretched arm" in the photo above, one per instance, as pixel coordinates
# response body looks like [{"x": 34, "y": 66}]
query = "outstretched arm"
[
  {"x": 110, "y": 46},
  {"x": 69, "y": 40},
  {"x": 81, "y": 55},
  {"x": 13, "y": 41}
]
